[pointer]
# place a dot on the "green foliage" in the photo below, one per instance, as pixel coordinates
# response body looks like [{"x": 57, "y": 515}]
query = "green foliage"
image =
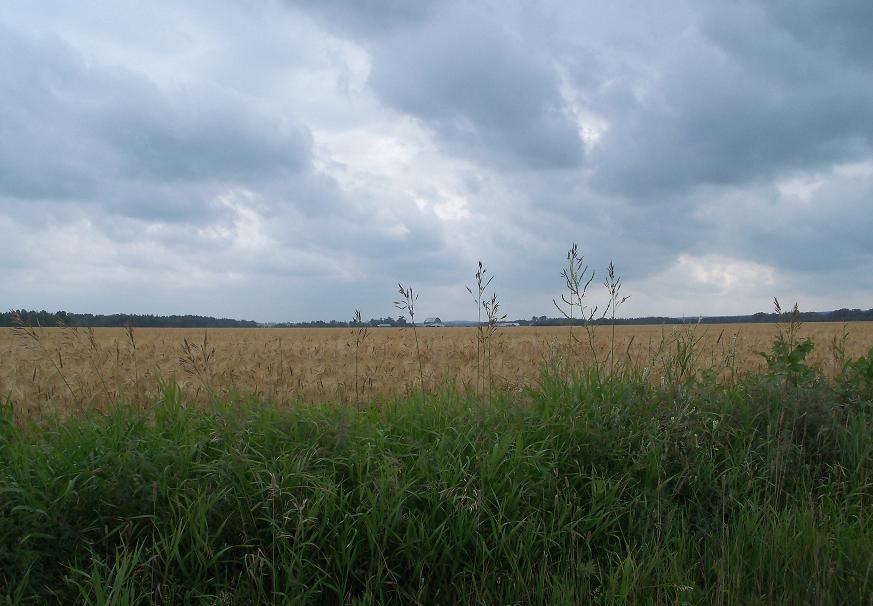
[
  {"x": 787, "y": 357},
  {"x": 789, "y": 360},
  {"x": 7, "y": 418},
  {"x": 114, "y": 584},
  {"x": 587, "y": 489},
  {"x": 855, "y": 381}
]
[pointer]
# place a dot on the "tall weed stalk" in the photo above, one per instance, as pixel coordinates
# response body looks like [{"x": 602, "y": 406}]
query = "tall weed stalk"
[
  {"x": 577, "y": 278},
  {"x": 360, "y": 332},
  {"x": 406, "y": 304},
  {"x": 485, "y": 331},
  {"x": 196, "y": 360},
  {"x": 613, "y": 285},
  {"x": 788, "y": 352}
]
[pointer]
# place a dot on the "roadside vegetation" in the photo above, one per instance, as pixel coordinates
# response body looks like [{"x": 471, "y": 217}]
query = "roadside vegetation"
[
  {"x": 603, "y": 489},
  {"x": 603, "y": 483}
]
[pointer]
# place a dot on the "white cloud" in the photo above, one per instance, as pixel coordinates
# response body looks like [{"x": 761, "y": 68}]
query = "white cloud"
[
  {"x": 723, "y": 273},
  {"x": 801, "y": 188}
]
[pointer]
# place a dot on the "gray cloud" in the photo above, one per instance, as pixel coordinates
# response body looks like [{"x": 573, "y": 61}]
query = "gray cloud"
[
  {"x": 736, "y": 100},
  {"x": 255, "y": 160},
  {"x": 72, "y": 126},
  {"x": 828, "y": 230},
  {"x": 45, "y": 151},
  {"x": 162, "y": 177},
  {"x": 841, "y": 28},
  {"x": 367, "y": 17},
  {"x": 485, "y": 92}
]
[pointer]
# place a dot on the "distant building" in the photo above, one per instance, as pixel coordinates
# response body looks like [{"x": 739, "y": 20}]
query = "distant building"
[
  {"x": 383, "y": 325},
  {"x": 433, "y": 323}
]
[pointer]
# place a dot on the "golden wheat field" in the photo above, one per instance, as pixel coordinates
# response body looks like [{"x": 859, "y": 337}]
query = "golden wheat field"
[{"x": 66, "y": 368}]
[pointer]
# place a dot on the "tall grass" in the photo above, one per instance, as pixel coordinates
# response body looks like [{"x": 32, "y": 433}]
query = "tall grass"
[
  {"x": 613, "y": 285},
  {"x": 577, "y": 277},
  {"x": 360, "y": 332},
  {"x": 406, "y": 304},
  {"x": 485, "y": 330},
  {"x": 588, "y": 489}
]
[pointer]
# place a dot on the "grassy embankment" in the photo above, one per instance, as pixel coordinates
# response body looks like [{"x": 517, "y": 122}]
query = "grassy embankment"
[{"x": 587, "y": 489}]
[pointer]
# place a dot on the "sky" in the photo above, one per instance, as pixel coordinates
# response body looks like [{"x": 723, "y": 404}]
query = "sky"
[{"x": 288, "y": 160}]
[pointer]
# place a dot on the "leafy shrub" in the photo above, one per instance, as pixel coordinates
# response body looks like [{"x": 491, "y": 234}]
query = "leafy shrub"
[
  {"x": 855, "y": 382},
  {"x": 789, "y": 361},
  {"x": 787, "y": 356}
]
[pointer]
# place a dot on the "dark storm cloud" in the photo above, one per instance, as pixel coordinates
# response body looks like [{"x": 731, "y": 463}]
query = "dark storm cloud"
[
  {"x": 482, "y": 90},
  {"x": 77, "y": 131},
  {"x": 839, "y": 27},
  {"x": 721, "y": 95},
  {"x": 204, "y": 136},
  {"x": 740, "y": 98},
  {"x": 827, "y": 231},
  {"x": 486, "y": 92},
  {"x": 138, "y": 175},
  {"x": 45, "y": 151},
  {"x": 367, "y": 17}
]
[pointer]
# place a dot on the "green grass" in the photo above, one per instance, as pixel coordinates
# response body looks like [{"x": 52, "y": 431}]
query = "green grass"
[{"x": 584, "y": 490}]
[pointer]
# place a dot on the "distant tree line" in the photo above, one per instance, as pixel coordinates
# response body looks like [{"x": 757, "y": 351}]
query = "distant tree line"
[
  {"x": 839, "y": 315},
  {"x": 63, "y": 318}
]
